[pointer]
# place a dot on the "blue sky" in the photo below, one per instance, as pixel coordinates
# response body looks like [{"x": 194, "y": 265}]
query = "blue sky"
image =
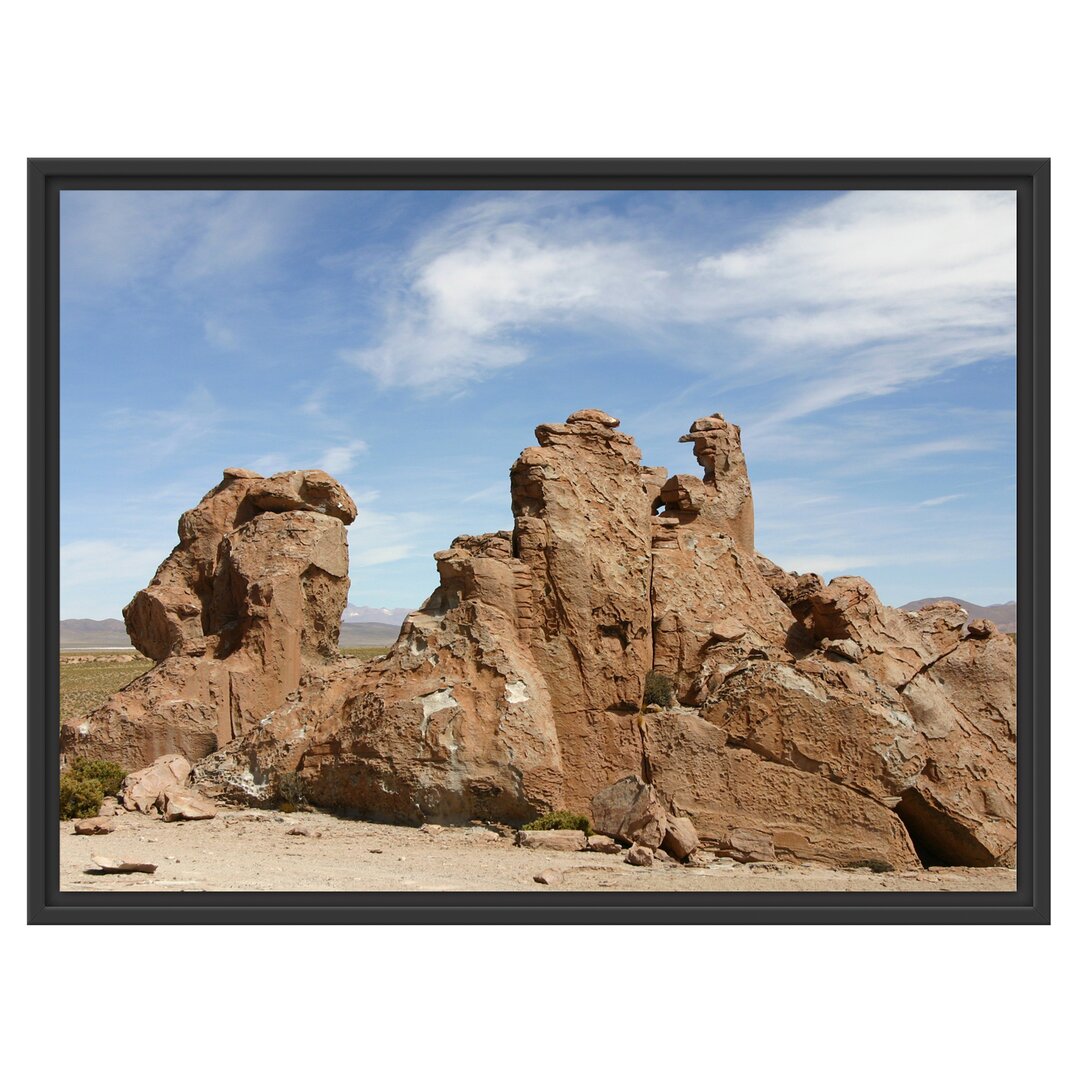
[{"x": 410, "y": 342}]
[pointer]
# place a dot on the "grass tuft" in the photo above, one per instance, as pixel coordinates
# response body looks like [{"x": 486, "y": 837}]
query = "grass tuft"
[{"x": 560, "y": 819}]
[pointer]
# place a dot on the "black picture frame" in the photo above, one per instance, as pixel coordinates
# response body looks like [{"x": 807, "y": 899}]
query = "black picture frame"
[{"x": 1028, "y": 177}]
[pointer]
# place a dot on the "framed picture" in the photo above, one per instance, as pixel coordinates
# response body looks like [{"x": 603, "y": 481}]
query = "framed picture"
[{"x": 539, "y": 541}]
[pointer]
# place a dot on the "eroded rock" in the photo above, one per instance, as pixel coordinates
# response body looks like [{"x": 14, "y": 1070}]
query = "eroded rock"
[
  {"x": 248, "y": 603},
  {"x": 810, "y": 721},
  {"x": 629, "y": 810}
]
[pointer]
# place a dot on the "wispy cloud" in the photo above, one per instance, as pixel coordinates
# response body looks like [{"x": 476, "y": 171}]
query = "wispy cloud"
[
  {"x": 499, "y": 492},
  {"x": 941, "y": 500},
  {"x": 163, "y": 433},
  {"x": 339, "y": 459},
  {"x": 219, "y": 334},
  {"x": 91, "y": 569},
  {"x": 905, "y": 284},
  {"x": 177, "y": 238}
]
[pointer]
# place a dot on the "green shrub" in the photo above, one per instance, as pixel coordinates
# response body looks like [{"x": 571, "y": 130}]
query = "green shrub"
[
  {"x": 878, "y": 866},
  {"x": 290, "y": 791},
  {"x": 107, "y": 773},
  {"x": 79, "y": 798},
  {"x": 560, "y": 819},
  {"x": 659, "y": 689}
]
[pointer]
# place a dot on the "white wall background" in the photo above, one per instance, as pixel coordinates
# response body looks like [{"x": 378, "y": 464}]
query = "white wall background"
[{"x": 561, "y": 78}]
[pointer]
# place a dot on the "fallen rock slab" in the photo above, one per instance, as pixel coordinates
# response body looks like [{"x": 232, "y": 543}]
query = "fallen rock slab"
[
  {"x": 551, "y": 876},
  {"x": 552, "y": 839},
  {"x": 183, "y": 804},
  {"x": 603, "y": 845},
  {"x": 104, "y": 864},
  {"x": 95, "y": 826},
  {"x": 750, "y": 846}
]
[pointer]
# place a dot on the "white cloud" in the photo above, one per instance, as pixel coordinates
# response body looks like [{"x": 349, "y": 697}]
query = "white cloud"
[
  {"x": 377, "y": 556},
  {"x": 377, "y": 536},
  {"x": 827, "y": 563},
  {"x": 940, "y": 500},
  {"x": 907, "y": 284},
  {"x": 339, "y": 459}
]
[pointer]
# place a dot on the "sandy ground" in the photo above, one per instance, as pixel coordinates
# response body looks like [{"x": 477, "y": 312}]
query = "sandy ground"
[{"x": 245, "y": 850}]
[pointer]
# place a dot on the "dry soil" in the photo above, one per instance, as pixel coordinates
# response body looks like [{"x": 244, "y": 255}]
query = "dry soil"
[{"x": 244, "y": 850}]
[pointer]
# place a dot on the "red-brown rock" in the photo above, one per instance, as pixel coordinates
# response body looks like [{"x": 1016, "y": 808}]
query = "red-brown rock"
[
  {"x": 248, "y": 602},
  {"x": 142, "y": 789},
  {"x": 811, "y": 722},
  {"x": 681, "y": 838},
  {"x": 629, "y": 810}
]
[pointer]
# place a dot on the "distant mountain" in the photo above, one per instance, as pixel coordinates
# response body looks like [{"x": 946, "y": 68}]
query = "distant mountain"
[
  {"x": 389, "y": 616},
  {"x": 1003, "y": 616},
  {"x": 355, "y": 634},
  {"x": 93, "y": 634},
  {"x": 359, "y": 627}
]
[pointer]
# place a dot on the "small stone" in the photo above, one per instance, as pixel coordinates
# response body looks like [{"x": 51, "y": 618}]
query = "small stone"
[
  {"x": 94, "y": 826},
  {"x": 639, "y": 855},
  {"x": 603, "y": 845},
  {"x": 551, "y": 876}
]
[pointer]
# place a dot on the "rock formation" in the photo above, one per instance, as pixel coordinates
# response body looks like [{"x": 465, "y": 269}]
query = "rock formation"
[
  {"x": 248, "y": 603},
  {"x": 810, "y": 721}
]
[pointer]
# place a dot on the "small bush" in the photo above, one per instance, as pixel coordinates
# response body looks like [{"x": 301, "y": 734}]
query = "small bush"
[
  {"x": 878, "y": 866},
  {"x": 107, "y": 773},
  {"x": 79, "y": 798},
  {"x": 560, "y": 819},
  {"x": 659, "y": 689},
  {"x": 290, "y": 791}
]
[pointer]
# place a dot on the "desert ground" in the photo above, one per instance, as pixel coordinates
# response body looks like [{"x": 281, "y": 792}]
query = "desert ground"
[{"x": 254, "y": 850}]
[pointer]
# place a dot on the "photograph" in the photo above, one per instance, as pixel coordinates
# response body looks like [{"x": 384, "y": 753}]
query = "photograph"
[{"x": 537, "y": 540}]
